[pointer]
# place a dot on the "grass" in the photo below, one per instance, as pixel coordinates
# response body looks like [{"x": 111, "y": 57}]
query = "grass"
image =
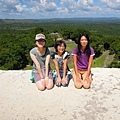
[
  {"x": 71, "y": 46},
  {"x": 28, "y": 67},
  {"x": 99, "y": 62}
]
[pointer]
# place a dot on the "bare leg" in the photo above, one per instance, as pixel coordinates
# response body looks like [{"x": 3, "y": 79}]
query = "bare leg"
[
  {"x": 40, "y": 85},
  {"x": 86, "y": 84},
  {"x": 49, "y": 84},
  {"x": 77, "y": 84}
]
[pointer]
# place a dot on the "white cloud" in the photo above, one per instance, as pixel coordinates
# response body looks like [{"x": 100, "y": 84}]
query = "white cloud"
[
  {"x": 10, "y": 2},
  {"x": 58, "y": 8},
  {"x": 85, "y": 2},
  {"x": 20, "y": 8},
  {"x": 8, "y": 5},
  {"x": 51, "y": 6},
  {"x": 113, "y": 4}
]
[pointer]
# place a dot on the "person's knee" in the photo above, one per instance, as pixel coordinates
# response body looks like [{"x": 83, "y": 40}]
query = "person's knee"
[
  {"x": 41, "y": 88},
  {"x": 86, "y": 86},
  {"x": 78, "y": 85},
  {"x": 49, "y": 87}
]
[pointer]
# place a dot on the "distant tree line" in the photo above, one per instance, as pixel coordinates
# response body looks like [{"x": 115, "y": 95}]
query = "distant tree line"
[
  {"x": 14, "y": 49},
  {"x": 16, "y": 41}
]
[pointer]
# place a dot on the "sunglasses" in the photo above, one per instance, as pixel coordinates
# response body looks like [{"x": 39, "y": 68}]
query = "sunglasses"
[{"x": 41, "y": 40}]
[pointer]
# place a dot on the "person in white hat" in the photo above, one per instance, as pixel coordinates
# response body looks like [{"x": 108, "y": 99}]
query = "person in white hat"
[{"x": 40, "y": 56}]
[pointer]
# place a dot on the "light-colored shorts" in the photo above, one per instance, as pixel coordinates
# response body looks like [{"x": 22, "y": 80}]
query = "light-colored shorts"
[{"x": 37, "y": 75}]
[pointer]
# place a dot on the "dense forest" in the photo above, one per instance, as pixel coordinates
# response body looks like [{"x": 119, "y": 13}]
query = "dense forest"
[{"x": 17, "y": 37}]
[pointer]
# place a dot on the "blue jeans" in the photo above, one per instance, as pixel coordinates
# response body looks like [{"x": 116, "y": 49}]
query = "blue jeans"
[{"x": 68, "y": 77}]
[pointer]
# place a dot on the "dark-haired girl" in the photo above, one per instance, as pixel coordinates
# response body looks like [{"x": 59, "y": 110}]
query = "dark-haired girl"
[
  {"x": 62, "y": 74},
  {"x": 82, "y": 60}
]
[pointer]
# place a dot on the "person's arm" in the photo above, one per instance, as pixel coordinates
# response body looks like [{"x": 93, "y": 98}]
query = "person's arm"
[
  {"x": 75, "y": 64},
  {"x": 47, "y": 61},
  {"x": 33, "y": 57},
  {"x": 89, "y": 65},
  {"x": 65, "y": 68},
  {"x": 90, "y": 61},
  {"x": 89, "y": 68},
  {"x": 59, "y": 80},
  {"x": 57, "y": 68},
  {"x": 66, "y": 56},
  {"x": 65, "y": 71},
  {"x": 75, "y": 68}
]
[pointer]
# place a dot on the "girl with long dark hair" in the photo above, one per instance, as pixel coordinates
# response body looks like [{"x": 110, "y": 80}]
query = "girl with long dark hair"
[{"x": 82, "y": 60}]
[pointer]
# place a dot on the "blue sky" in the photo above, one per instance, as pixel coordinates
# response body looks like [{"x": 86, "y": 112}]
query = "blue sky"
[{"x": 45, "y": 9}]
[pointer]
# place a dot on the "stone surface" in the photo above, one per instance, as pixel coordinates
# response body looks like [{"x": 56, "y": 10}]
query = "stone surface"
[{"x": 20, "y": 99}]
